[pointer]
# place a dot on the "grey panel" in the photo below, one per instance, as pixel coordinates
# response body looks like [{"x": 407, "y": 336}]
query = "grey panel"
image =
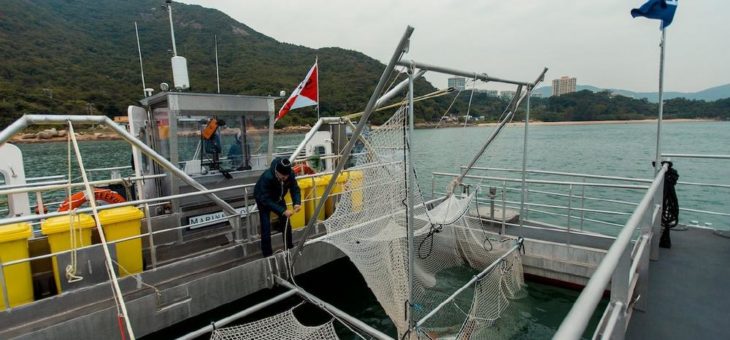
[{"x": 90, "y": 265}]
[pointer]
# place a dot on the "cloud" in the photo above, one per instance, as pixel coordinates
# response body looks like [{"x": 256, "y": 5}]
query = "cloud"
[{"x": 596, "y": 41}]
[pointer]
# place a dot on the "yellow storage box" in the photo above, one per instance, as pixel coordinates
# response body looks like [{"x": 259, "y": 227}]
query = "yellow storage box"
[
  {"x": 120, "y": 223},
  {"x": 306, "y": 185},
  {"x": 18, "y": 277},
  {"x": 59, "y": 238},
  {"x": 297, "y": 220},
  {"x": 356, "y": 181},
  {"x": 337, "y": 192},
  {"x": 320, "y": 183}
]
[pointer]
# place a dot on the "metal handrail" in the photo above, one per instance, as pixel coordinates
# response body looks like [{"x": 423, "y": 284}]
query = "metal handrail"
[
  {"x": 613, "y": 178},
  {"x": 149, "y": 233},
  {"x": 536, "y": 181},
  {"x": 684, "y": 155},
  {"x": 579, "y": 316},
  {"x": 561, "y": 173}
]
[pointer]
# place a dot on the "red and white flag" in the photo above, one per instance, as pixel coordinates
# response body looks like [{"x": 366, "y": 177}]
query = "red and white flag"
[{"x": 306, "y": 94}]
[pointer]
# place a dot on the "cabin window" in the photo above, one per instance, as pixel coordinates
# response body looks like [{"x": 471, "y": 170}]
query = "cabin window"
[
  {"x": 227, "y": 142},
  {"x": 254, "y": 143},
  {"x": 162, "y": 119}
]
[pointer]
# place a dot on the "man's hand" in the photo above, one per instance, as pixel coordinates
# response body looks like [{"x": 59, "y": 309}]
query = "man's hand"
[
  {"x": 297, "y": 208},
  {"x": 288, "y": 213}
]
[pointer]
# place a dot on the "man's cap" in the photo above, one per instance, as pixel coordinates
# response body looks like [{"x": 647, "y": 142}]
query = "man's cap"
[{"x": 283, "y": 167}]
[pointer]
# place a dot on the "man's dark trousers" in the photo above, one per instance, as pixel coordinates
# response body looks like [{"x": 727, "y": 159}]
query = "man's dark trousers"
[{"x": 265, "y": 218}]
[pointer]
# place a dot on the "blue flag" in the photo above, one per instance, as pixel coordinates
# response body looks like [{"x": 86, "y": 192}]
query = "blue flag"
[{"x": 657, "y": 9}]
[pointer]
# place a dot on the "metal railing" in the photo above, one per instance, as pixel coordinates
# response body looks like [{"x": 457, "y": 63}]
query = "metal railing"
[
  {"x": 567, "y": 201},
  {"x": 252, "y": 233},
  {"x": 625, "y": 267}
]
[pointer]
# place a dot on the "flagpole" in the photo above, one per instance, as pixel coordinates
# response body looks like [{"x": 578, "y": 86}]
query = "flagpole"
[
  {"x": 657, "y": 164},
  {"x": 316, "y": 63}
]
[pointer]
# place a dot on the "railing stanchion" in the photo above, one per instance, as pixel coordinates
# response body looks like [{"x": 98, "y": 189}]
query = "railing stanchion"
[
  {"x": 150, "y": 236},
  {"x": 568, "y": 235},
  {"x": 6, "y": 298},
  {"x": 582, "y": 203},
  {"x": 249, "y": 229},
  {"x": 504, "y": 208}
]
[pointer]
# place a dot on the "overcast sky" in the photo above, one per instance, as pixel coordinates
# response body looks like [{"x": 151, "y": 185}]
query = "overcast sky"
[{"x": 595, "y": 41}]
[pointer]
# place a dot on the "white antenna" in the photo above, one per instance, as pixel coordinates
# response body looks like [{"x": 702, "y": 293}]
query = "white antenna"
[
  {"x": 172, "y": 29},
  {"x": 217, "y": 74},
  {"x": 179, "y": 64},
  {"x": 141, "y": 68}
]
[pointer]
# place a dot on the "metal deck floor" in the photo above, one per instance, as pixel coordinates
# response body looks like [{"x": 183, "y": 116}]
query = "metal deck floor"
[{"x": 689, "y": 290}]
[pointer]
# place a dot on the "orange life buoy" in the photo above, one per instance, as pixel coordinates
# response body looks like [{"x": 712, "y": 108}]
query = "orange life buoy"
[
  {"x": 303, "y": 169},
  {"x": 79, "y": 198}
]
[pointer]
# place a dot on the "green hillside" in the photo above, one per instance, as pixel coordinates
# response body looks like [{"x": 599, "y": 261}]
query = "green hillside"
[{"x": 80, "y": 57}]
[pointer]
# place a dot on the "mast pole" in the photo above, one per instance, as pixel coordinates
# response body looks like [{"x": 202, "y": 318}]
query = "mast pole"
[
  {"x": 524, "y": 158},
  {"x": 172, "y": 29},
  {"x": 141, "y": 68},
  {"x": 409, "y": 193},
  {"x": 217, "y": 73},
  {"x": 316, "y": 63},
  {"x": 657, "y": 165}
]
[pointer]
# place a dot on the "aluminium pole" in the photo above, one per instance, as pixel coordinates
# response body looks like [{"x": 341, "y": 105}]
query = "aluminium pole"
[
  {"x": 141, "y": 68},
  {"x": 316, "y": 65},
  {"x": 409, "y": 193},
  {"x": 217, "y": 72},
  {"x": 658, "y": 158},
  {"x": 524, "y": 159}
]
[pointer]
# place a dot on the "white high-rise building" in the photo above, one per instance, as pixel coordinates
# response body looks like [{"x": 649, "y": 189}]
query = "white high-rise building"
[
  {"x": 563, "y": 85},
  {"x": 458, "y": 83}
]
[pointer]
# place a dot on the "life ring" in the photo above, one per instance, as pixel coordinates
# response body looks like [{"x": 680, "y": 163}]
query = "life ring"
[
  {"x": 303, "y": 169},
  {"x": 79, "y": 198}
]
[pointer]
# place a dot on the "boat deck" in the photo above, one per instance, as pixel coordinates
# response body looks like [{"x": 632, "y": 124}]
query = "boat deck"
[{"x": 689, "y": 290}]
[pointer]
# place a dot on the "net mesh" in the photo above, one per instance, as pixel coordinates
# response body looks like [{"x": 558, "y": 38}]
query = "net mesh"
[
  {"x": 283, "y": 326},
  {"x": 369, "y": 226}
]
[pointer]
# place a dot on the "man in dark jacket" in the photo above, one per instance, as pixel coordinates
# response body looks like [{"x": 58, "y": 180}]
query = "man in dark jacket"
[{"x": 269, "y": 192}]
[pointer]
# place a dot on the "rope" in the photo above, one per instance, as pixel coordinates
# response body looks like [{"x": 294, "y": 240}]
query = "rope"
[
  {"x": 109, "y": 267},
  {"x": 71, "y": 269},
  {"x": 670, "y": 205},
  {"x": 448, "y": 109}
]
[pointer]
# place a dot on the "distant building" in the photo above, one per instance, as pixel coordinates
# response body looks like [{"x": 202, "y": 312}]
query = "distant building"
[
  {"x": 490, "y": 93},
  {"x": 507, "y": 94},
  {"x": 536, "y": 95},
  {"x": 458, "y": 83},
  {"x": 563, "y": 85}
]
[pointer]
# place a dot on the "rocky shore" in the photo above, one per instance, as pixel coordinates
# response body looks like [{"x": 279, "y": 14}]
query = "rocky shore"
[
  {"x": 102, "y": 133},
  {"x": 53, "y": 135}
]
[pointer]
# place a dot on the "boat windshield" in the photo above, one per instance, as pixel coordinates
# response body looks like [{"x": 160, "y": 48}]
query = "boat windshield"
[{"x": 229, "y": 142}]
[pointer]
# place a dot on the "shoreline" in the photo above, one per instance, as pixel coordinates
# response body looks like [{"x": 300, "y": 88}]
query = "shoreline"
[
  {"x": 35, "y": 138},
  {"x": 626, "y": 121}
]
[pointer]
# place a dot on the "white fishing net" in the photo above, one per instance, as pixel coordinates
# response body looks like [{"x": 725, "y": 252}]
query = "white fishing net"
[
  {"x": 283, "y": 326},
  {"x": 369, "y": 226}
]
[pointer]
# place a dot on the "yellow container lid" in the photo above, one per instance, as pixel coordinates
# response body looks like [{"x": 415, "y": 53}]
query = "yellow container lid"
[
  {"x": 305, "y": 183},
  {"x": 15, "y": 231},
  {"x": 121, "y": 214},
  {"x": 60, "y": 224},
  {"x": 323, "y": 180}
]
